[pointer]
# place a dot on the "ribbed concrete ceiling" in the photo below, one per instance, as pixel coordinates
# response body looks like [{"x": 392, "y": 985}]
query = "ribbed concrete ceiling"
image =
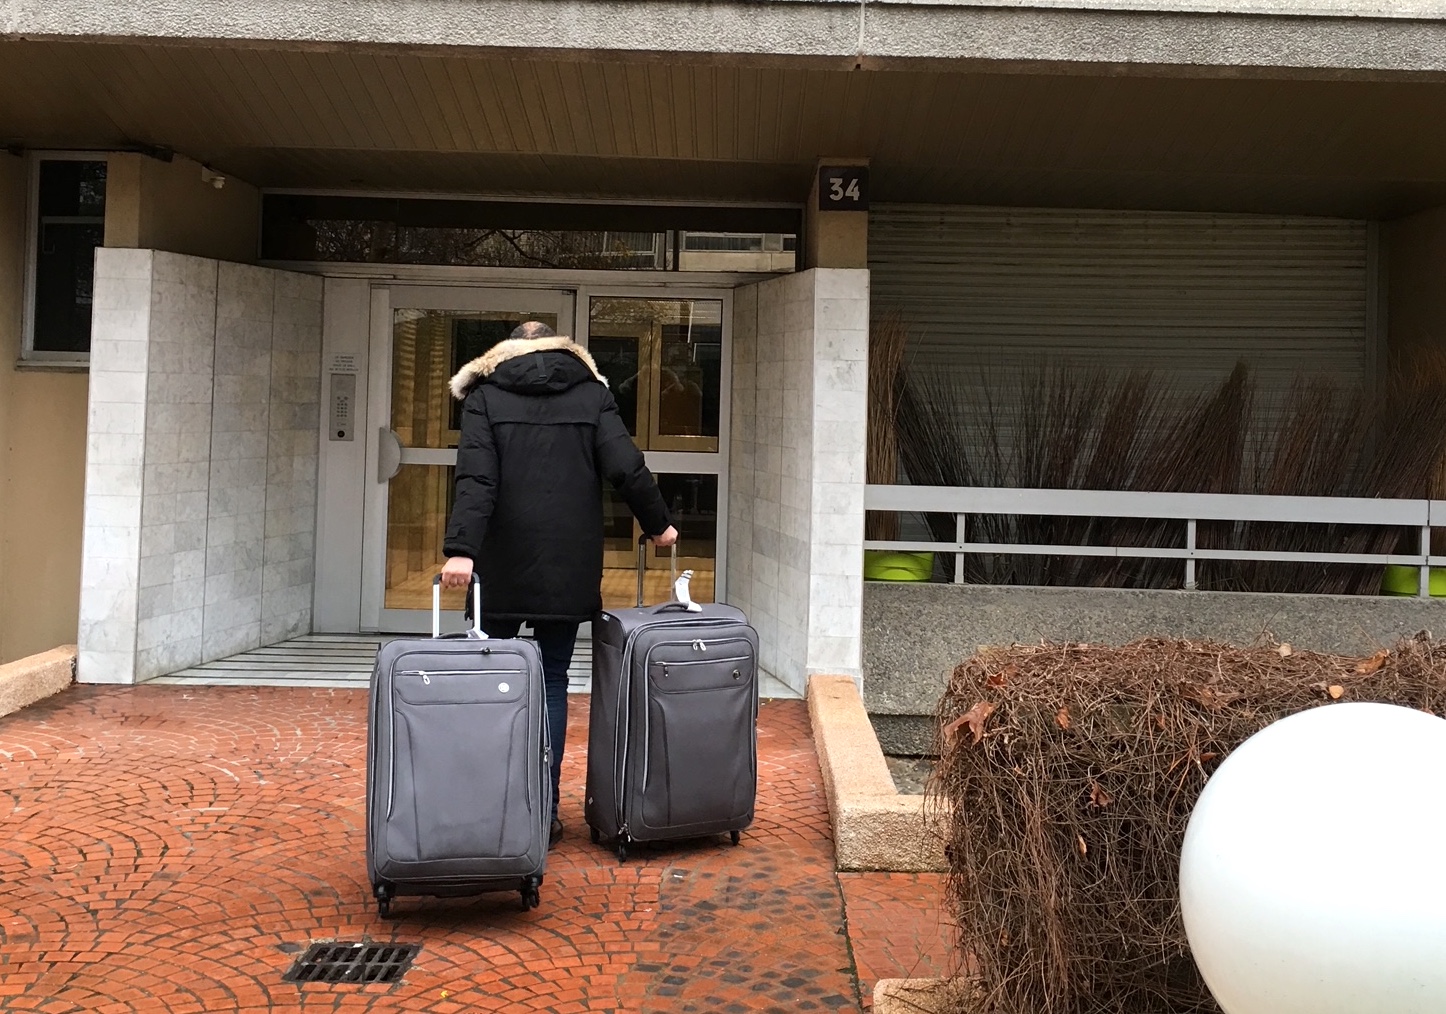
[{"x": 366, "y": 119}]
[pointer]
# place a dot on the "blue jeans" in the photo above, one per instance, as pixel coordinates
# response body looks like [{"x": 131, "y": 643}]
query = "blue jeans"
[{"x": 555, "y": 642}]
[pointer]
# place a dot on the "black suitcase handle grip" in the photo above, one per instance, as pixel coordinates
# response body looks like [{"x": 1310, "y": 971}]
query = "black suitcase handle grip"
[{"x": 476, "y": 586}]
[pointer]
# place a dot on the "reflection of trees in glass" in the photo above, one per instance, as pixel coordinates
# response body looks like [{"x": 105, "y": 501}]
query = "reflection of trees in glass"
[
  {"x": 341, "y": 240},
  {"x": 682, "y": 312}
]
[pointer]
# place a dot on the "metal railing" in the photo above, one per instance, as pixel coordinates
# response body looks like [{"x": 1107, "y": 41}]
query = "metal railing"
[{"x": 1192, "y": 508}]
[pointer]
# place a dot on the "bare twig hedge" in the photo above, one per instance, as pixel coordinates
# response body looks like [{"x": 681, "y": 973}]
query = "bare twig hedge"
[{"x": 1070, "y": 772}]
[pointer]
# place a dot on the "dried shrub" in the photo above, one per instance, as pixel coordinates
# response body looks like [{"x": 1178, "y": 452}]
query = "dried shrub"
[
  {"x": 1069, "y": 426},
  {"x": 888, "y": 339},
  {"x": 1069, "y": 773}
]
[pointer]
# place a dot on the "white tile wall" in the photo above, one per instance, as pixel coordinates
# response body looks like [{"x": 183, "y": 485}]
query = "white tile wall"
[
  {"x": 111, "y": 539},
  {"x": 839, "y": 470},
  {"x": 240, "y": 427},
  {"x": 201, "y": 470},
  {"x": 798, "y": 468},
  {"x": 291, "y": 458},
  {"x": 179, "y": 382}
]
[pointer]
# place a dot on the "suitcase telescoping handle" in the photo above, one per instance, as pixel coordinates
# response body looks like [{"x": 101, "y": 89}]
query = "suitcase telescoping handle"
[
  {"x": 476, "y": 606},
  {"x": 682, "y": 599},
  {"x": 643, "y": 541}
]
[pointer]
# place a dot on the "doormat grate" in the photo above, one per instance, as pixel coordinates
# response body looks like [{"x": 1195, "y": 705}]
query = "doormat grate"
[{"x": 340, "y": 961}]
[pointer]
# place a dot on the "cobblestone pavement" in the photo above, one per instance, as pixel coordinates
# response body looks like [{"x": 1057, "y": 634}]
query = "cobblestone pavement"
[
  {"x": 172, "y": 849},
  {"x": 896, "y": 927}
]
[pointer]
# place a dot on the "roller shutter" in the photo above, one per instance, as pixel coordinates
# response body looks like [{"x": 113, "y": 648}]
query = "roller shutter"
[{"x": 1187, "y": 294}]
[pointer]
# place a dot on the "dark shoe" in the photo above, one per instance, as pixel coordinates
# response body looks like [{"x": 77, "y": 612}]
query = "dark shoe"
[{"x": 556, "y": 835}]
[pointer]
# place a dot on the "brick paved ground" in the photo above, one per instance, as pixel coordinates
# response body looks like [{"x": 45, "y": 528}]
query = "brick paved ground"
[
  {"x": 897, "y": 928},
  {"x": 170, "y": 849}
]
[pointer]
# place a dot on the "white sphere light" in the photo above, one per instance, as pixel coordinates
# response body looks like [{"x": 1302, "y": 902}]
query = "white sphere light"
[{"x": 1313, "y": 874}]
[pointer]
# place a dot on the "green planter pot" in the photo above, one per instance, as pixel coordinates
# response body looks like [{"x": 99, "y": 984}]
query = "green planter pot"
[
  {"x": 881, "y": 565},
  {"x": 1407, "y": 581}
]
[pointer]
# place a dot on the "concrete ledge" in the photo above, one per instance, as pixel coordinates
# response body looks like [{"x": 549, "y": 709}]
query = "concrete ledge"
[
  {"x": 874, "y": 826},
  {"x": 915, "y": 634},
  {"x": 32, "y": 679},
  {"x": 922, "y": 996}
]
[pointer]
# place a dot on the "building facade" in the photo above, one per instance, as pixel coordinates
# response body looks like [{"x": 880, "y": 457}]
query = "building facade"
[{"x": 242, "y": 248}]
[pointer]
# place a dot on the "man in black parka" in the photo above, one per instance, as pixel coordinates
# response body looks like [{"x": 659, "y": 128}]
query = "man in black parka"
[{"x": 540, "y": 433}]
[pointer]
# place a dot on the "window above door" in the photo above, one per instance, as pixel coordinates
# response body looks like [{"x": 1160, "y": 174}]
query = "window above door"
[{"x": 465, "y": 232}]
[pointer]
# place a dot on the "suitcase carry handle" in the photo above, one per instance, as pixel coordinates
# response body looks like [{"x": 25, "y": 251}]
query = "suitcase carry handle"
[
  {"x": 679, "y": 606},
  {"x": 643, "y": 541},
  {"x": 476, "y": 583}
]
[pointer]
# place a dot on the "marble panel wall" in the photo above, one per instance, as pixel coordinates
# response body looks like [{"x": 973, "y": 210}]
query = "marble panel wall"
[
  {"x": 201, "y": 472},
  {"x": 289, "y": 553},
  {"x": 797, "y": 469}
]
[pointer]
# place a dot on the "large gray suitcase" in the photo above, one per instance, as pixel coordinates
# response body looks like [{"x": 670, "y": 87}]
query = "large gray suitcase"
[
  {"x": 672, "y": 733},
  {"x": 459, "y": 790}
]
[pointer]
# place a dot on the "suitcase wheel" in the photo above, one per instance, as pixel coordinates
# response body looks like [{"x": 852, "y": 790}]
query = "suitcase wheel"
[
  {"x": 595, "y": 836},
  {"x": 383, "y": 894},
  {"x": 622, "y": 850},
  {"x": 736, "y": 836},
  {"x": 531, "y": 893}
]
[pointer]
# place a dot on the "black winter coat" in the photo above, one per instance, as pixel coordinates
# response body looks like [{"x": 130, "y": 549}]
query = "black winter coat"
[{"x": 540, "y": 433}]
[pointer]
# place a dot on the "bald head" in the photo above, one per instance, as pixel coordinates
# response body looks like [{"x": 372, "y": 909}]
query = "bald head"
[{"x": 533, "y": 329}]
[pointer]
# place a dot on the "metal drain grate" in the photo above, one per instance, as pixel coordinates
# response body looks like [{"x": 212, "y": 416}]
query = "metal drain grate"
[{"x": 352, "y": 963}]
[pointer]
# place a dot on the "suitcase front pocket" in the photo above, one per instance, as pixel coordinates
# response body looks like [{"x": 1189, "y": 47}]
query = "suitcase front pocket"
[
  {"x": 460, "y": 686},
  {"x": 699, "y": 767},
  {"x": 460, "y": 765},
  {"x": 708, "y": 674},
  {"x": 685, "y": 666}
]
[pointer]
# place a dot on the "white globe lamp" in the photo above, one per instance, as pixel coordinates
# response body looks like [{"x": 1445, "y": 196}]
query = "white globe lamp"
[{"x": 1313, "y": 874}]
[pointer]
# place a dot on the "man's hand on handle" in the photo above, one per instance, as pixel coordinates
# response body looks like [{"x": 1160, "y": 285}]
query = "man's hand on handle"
[
  {"x": 456, "y": 572},
  {"x": 667, "y": 538}
]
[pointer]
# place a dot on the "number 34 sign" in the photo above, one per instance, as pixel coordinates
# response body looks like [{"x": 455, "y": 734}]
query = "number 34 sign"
[{"x": 843, "y": 188}]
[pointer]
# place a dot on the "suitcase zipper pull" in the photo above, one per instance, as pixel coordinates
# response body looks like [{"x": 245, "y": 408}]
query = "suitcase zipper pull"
[
  {"x": 699, "y": 645},
  {"x": 427, "y": 680}
]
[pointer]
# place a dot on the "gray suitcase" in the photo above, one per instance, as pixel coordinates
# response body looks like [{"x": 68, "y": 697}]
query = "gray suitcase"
[
  {"x": 673, "y": 727},
  {"x": 459, "y": 791}
]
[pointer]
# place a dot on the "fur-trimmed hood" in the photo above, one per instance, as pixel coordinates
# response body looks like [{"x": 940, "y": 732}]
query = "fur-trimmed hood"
[{"x": 486, "y": 364}]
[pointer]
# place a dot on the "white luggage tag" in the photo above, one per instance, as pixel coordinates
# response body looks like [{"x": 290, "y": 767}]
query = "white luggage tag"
[{"x": 681, "y": 594}]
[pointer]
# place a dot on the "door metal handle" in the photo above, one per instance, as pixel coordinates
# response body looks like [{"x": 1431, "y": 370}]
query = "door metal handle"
[{"x": 389, "y": 455}]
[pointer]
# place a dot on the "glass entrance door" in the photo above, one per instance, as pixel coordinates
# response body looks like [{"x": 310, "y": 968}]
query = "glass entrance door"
[
  {"x": 665, "y": 363},
  {"x": 421, "y": 338},
  {"x": 666, "y": 360}
]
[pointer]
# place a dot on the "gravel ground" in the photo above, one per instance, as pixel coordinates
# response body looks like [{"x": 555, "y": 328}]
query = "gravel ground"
[{"x": 910, "y": 773}]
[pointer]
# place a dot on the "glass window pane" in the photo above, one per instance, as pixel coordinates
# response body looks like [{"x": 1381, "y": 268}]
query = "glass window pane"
[
  {"x": 667, "y": 358},
  {"x": 483, "y": 233},
  {"x": 734, "y": 251},
  {"x": 70, "y": 226},
  {"x": 693, "y": 500},
  {"x": 419, "y": 502},
  {"x": 620, "y": 535},
  {"x": 692, "y": 374},
  {"x": 617, "y": 360},
  {"x": 428, "y": 348}
]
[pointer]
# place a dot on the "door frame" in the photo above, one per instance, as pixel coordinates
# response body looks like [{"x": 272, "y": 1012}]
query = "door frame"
[
  {"x": 375, "y": 616},
  {"x": 687, "y": 462},
  {"x": 459, "y": 293}
]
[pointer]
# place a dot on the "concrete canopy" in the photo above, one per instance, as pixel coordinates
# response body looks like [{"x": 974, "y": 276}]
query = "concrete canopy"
[
  {"x": 445, "y": 121},
  {"x": 1322, "y": 35}
]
